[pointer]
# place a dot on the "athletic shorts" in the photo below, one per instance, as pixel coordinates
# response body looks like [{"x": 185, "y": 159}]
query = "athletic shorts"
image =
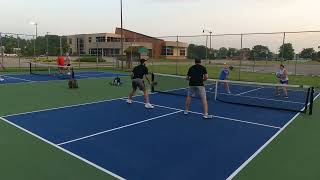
[
  {"x": 138, "y": 83},
  {"x": 200, "y": 90},
  {"x": 284, "y": 82}
]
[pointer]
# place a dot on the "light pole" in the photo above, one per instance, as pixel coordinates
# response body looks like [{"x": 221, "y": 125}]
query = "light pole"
[
  {"x": 121, "y": 53},
  {"x": 36, "y": 26},
  {"x": 210, "y": 34}
]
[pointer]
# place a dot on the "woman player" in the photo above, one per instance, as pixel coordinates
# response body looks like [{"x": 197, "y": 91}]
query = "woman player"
[
  {"x": 224, "y": 74},
  {"x": 283, "y": 78}
]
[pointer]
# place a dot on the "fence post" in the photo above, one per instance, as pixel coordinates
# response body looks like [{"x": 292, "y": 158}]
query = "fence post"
[
  {"x": 19, "y": 51},
  {"x": 1, "y": 46},
  {"x": 177, "y": 55},
  {"x": 242, "y": 56},
  {"x": 283, "y": 50}
]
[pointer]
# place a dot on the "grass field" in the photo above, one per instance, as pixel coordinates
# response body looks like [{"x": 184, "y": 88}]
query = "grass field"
[{"x": 292, "y": 155}]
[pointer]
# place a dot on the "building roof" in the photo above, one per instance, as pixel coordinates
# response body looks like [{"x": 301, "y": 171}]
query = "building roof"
[{"x": 138, "y": 33}]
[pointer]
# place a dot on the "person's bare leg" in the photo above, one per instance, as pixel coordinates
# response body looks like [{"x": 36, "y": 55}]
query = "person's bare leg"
[
  {"x": 131, "y": 94},
  {"x": 146, "y": 96},
  {"x": 277, "y": 91},
  {"x": 205, "y": 105},
  {"x": 285, "y": 89},
  {"x": 226, "y": 86},
  {"x": 188, "y": 102}
]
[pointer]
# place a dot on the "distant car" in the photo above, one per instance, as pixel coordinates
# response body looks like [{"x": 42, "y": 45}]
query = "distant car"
[{"x": 11, "y": 55}]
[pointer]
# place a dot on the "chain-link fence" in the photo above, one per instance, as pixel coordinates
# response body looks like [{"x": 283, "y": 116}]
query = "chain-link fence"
[{"x": 253, "y": 55}]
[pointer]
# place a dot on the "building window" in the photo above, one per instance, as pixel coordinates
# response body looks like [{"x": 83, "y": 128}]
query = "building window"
[
  {"x": 70, "y": 41},
  {"x": 100, "y": 39},
  {"x": 90, "y": 39},
  {"x": 182, "y": 52},
  {"x": 113, "y": 39},
  {"x": 167, "y": 51}
]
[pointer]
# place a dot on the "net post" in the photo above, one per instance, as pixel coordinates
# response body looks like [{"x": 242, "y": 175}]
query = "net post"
[
  {"x": 311, "y": 101},
  {"x": 216, "y": 91},
  {"x": 152, "y": 82},
  {"x": 30, "y": 68},
  {"x": 307, "y": 101}
]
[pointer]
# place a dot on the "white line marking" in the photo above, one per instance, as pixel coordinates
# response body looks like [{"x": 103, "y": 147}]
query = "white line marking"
[
  {"x": 118, "y": 128},
  {"x": 64, "y": 150},
  {"x": 264, "y": 146},
  {"x": 21, "y": 79},
  {"x": 250, "y": 91},
  {"x": 220, "y": 117}
]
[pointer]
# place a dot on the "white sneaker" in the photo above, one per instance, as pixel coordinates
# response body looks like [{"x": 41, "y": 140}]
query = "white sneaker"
[
  {"x": 149, "y": 106},
  {"x": 1, "y": 79},
  {"x": 186, "y": 112},
  {"x": 129, "y": 101},
  {"x": 207, "y": 116}
]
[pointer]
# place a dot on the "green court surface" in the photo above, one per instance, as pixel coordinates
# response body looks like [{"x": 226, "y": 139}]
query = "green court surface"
[{"x": 294, "y": 154}]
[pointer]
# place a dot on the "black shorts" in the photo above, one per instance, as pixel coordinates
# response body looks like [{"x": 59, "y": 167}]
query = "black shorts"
[{"x": 138, "y": 83}]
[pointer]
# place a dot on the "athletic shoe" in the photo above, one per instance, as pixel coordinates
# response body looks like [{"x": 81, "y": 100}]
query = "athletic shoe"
[
  {"x": 286, "y": 97},
  {"x": 207, "y": 116},
  {"x": 1, "y": 79},
  {"x": 229, "y": 92},
  {"x": 186, "y": 112},
  {"x": 149, "y": 106},
  {"x": 129, "y": 101}
]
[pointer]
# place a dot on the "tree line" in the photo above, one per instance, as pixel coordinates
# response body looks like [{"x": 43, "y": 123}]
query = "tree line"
[
  {"x": 25, "y": 47},
  {"x": 258, "y": 52}
]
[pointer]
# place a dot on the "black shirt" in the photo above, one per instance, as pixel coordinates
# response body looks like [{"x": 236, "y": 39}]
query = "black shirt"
[
  {"x": 196, "y": 74},
  {"x": 139, "y": 71}
]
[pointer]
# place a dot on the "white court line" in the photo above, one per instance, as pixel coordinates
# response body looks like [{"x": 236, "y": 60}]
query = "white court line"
[
  {"x": 220, "y": 117},
  {"x": 21, "y": 79},
  {"x": 250, "y": 91},
  {"x": 118, "y": 128},
  {"x": 64, "y": 150},
  {"x": 264, "y": 146}
]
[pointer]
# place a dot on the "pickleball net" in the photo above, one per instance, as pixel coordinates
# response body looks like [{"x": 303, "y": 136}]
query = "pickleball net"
[
  {"x": 61, "y": 72},
  {"x": 265, "y": 95}
]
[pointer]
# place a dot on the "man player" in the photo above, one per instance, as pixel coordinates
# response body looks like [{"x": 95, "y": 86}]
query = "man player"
[
  {"x": 2, "y": 67},
  {"x": 60, "y": 62},
  {"x": 138, "y": 74},
  {"x": 283, "y": 78},
  {"x": 197, "y": 74}
]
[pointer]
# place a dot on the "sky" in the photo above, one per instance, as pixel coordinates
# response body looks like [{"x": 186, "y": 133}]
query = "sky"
[{"x": 160, "y": 17}]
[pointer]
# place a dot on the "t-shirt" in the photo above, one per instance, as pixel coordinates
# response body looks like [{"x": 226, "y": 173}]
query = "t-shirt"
[
  {"x": 196, "y": 74},
  {"x": 60, "y": 61},
  {"x": 139, "y": 71},
  {"x": 224, "y": 74}
]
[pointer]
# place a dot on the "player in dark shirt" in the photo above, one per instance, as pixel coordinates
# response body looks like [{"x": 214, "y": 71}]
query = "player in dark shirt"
[
  {"x": 138, "y": 74},
  {"x": 197, "y": 74}
]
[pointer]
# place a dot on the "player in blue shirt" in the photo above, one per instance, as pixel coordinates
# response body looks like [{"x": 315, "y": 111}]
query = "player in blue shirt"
[{"x": 224, "y": 74}]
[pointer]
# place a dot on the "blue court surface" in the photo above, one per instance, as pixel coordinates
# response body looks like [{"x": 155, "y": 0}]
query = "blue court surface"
[
  {"x": 27, "y": 78},
  {"x": 131, "y": 142}
]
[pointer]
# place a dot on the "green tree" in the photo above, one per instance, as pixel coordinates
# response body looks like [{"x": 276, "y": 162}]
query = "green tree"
[
  {"x": 259, "y": 52},
  {"x": 307, "y": 53},
  {"x": 195, "y": 51},
  {"x": 286, "y": 51},
  {"x": 233, "y": 52},
  {"x": 223, "y": 53}
]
